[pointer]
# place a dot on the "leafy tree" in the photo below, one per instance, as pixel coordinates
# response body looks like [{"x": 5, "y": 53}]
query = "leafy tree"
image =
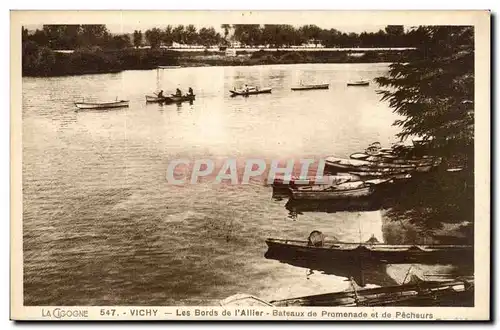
[
  {"x": 190, "y": 35},
  {"x": 168, "y": 36},
  {"x": 153, "y": 36},
  {"x": 226, "y": 28},
  {"x": 178, "y": 34},
  {"x": 434, "y": 90},
  {"x": 137, "y": 38}
]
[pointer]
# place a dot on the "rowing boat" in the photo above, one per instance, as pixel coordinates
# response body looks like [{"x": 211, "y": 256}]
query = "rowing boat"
[
  {"x": 251, "y": 91},
  {"x": 417, "y": 292},
  {"x": 414, "y": 292},
  {"x": 369, "y": 252},
  {"x": 310, "y": 87},
  {"x": 281, "y": 181},
  {"x": 348, "y": 165},
  {"x": 345, "y": 190},
  {"x": 169, "y": 99},
  {"x": 240, "y": 299},
  {"x": 169, "y": 66},
  {"x": 359, "y": 83},
  {"x": 102, "y": 105}
]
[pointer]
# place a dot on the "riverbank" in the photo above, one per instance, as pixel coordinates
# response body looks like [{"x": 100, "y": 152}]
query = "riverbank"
[{"x": 43, "y": 62}]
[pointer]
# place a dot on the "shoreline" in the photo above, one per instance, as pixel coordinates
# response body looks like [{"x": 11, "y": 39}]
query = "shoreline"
[{"x": 99, "y": 62}]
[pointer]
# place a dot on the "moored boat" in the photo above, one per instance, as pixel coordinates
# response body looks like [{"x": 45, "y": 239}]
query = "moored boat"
[
  {"x": 102, "y": 105},
  {"x": 369, "y": 252},
  {"x": 359, "y": 83},
  {"x": 346, "y": 190},
  {"x": 240, "y": 299},
  {"x": 281, "y": 181},
  {"x": 415, "y": 291},
  {"x": 351, "y": 165},
  {"x": 250, "y": 91},
  {"x": 310, "y": 87},
  {"x": 169, "y": 66}
]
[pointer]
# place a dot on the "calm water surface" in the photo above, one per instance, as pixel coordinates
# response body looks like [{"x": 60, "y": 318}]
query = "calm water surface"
[{"x": 103, "y": 227}]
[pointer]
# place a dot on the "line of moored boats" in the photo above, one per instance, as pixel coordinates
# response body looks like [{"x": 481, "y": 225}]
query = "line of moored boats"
[
  {"x": 359, "y": 175},
  {"x": 179, "y": 98}
]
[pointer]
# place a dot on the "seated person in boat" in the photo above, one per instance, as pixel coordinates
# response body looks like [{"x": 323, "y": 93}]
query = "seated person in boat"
[
  {"x": 160, "y": 94},
  {"x": 190, "y": 91},
  {"x": 178, "y": 92}
]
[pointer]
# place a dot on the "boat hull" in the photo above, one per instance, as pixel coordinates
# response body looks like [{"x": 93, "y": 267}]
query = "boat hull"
[
  {"x": 170, "y": 99},
  {"x": 457, "y": 292},
  {"x": 371, "y": 253},
  {"x": 327, "y": 195},
  {"x": 104, "y": 105},
  {"x": 251, "y": 92},
  {"x": 358, "y": 84},
  {"x": 310, "y": 87}
]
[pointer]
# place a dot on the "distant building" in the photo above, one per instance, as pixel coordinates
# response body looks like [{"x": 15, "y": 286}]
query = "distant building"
[{"x": 231, "y": 52}]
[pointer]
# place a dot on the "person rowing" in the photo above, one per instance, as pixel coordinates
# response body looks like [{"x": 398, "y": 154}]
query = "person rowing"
[{"x": 160, "y": 94}]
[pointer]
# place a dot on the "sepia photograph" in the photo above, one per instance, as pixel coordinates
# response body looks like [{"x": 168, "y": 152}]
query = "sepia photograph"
[{"x": 253, "y": 164}]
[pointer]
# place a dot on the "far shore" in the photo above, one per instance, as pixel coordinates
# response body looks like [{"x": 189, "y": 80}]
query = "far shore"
[{"x": 82, "y": 62}]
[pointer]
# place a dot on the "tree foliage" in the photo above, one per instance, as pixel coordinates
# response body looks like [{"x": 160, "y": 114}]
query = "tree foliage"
[
  {"x": 434, "y": 90},
  {"x": 137, "y": 38}
]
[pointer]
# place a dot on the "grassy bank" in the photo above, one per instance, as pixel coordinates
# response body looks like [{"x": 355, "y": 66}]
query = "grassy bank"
[
  {"x": 291, "y": 57},
  {"x": 40, "y": 61},
  {"x": 45, "y": 62}
]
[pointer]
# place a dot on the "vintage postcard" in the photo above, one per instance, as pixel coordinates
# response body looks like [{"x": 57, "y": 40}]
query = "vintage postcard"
[{"x": 250, "y": 165}]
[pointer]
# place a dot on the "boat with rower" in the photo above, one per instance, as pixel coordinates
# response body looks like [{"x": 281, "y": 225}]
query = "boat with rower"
[
  {"x": 102, "y": 105},
  {"x": 310, "y": 87},
  {"x": 170, "y": 99},
  {"x": 250, "y": 91},
  {"x": 318, "y": 249}
]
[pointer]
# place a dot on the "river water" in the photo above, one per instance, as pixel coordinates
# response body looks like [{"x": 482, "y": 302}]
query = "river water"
[{"x": 103, "y": 227}]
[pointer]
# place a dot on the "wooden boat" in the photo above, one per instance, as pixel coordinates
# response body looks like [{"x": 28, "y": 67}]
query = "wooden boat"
[
  {"x": 346, "y": 190},
  {"x": 418, "y": 292},
  {"x": 351, "y": 165},
  {"x": 280, "y": 181},
  {"x": 240, "y": 299},
  {"x": 359, "y": 156},
  {"x": 379, "y": 175},
  {"x": 169, "y": 66},
  {"x": 102, "y": 105},
  {"x": 169, "y": 99},
  {"x": 370, "y": 252},
  {"x": 414, "y": 292},
  {"x": 310, "y": 87},
  {"x": 359, "y": 83},
  {"x": 250, "y": 91},
  {"x": 394, "y": 159}
]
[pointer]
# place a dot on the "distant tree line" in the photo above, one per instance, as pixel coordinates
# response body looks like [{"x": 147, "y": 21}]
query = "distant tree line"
[
  {"x": 95, "y": 49},
  {"x": 273, "y": 35},
  {"x": 287, "y": 35}
]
